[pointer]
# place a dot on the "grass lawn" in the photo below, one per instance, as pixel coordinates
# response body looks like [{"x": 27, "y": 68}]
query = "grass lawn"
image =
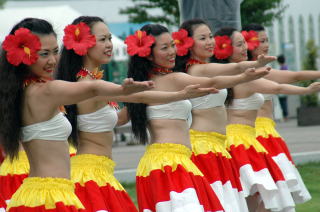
[{"x": 309, "y": 172}]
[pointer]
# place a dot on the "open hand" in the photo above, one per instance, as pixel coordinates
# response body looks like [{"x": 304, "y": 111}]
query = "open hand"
[
  {"x": 193, "y": 91},
  {"x": 130, "y": 86},
  {"x": 314, "y": 87},
  {"x": 253, "y": 74},
  {"x": 265, "y": 59}
]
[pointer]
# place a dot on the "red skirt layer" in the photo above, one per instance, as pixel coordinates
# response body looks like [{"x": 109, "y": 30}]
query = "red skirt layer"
[
  {"x": 12, "y": 174},
  {"x": 214, "y": 161},
  {"x": 277, "y": 148},
  {"x": 3, "y": 204},
  {"x": 96, "y": 186},
  {"x": 258, "y": 172},
  {"x": 167, "y": 180}
]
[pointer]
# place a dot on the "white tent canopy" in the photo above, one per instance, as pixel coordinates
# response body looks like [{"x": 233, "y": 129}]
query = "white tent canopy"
[{"x": 59, "y": 16}]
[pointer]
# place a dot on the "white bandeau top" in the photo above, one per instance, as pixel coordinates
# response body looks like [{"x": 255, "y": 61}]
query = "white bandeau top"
[
  {"x": 102, "y": 120},
  {"x": 210, "y": 101},
  {"x": 268, "y": 96},
  {"x": 57, "y": 128},
  {"x": 173, "y": 110},
  {"x": 253, "y": 102}
]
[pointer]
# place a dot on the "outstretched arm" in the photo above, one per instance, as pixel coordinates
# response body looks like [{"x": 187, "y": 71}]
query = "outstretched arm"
[
  {"x": 218, "y": 69},
  {"x": 287, "y": 76},
  {"x": 60, "y": 92},
  {"x": 270, "y": 87},
  {"x": 161, "y": 97}
]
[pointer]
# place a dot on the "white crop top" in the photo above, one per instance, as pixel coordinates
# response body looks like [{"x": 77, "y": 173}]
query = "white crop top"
[
  {"x": 57, "y": 128},
  {"x": 102, "y": 120},
  {"x": 210, "y": 101},
  {"x": 173, "y": 110},
  {"x": 253, "y": 102},
  {"x": 268, "y": 96}
]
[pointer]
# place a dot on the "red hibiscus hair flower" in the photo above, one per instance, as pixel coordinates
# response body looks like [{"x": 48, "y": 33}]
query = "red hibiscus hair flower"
[
  {"x": 182, "y": 41},
  {"x": 251, "y": 38},
  {"x": 139, "y": 44},
  {"x": 79, "y": 38},
  {"x": 223, "y": 48},
  {"x": 22, "y": 47}
]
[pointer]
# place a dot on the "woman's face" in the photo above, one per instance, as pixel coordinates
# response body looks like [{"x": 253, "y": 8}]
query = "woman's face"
[
  {"x": 263, "y": 47},
  {"x": 101, "y": 53},
  {"x": 203, "y": 46},
  {"x": 48, "y": 57},
  {"x": 239, "y": 48},
  {"x": 164, "y": 51}
]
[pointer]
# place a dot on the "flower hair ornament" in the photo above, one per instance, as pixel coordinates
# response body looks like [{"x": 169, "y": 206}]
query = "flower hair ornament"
[
  {"x": 22, "y": 47},
  {"x": 223, "y": 48},
  {"x": 182, "y": 41},
  {"x": 252, "y": 39},
  {"x": 79, "y": 38},
  {"x": 139, "y": 44}
]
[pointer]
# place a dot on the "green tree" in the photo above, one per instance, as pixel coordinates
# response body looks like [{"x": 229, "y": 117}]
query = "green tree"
[
  {"x": 2, "y": 2},
  {"x": 261, "y": 12},
  {"x": 139, "y": 12},
  {"x": 310, "y": 63}
]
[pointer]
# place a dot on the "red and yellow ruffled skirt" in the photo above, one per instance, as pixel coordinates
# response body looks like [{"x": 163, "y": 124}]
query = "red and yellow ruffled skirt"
[
  {"x": 96, "y": 186},
  {"x": 45, "y": 194},
  {"x": 210, "y": 155},
  {"x": 258, "y": 172},
  {"x": 12, "y": 174},
  {"x": 167, "y": 180},
  {"x": 268, "y": 136}
]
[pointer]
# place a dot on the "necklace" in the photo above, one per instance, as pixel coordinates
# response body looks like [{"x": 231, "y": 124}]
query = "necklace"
[
  {"x": 159, "y": 71},
  {"x": 97, "y": 74},
  {"x": 32, "y": 79},
  {"x": 191, "y": 62}
]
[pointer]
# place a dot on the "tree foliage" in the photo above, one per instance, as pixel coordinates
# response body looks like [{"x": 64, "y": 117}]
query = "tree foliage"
[
  {"x": 2, "y": 2},
  {"x": 261, "y": 12},
  {"x": 252, "y": 11},
  {"x": 310, "y": 63},
  {"x": 140, "y": 12}
]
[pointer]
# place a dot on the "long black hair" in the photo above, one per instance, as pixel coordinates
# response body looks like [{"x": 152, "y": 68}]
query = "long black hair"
[
  {"x": 11, "y": 89},
  {"x": 69, "y": 65},
  {"x": 139, "y": 68},
  {"x": 189, "y": 26},
  {"x": 228, "y": 31},
  {"x": 254, "y": 27}
]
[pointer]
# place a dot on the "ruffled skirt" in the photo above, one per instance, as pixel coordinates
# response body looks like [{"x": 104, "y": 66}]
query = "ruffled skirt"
[
  {"x": 45, "y": 194},
  {"x": 277, "y": 148},
  {"x": 214, "y": 161},
  {"x": 167, "y": 180},
  {"x": 258, "y": 172},
  {"x": 96, "y": 186},
  {"x": 12, "y": 174}
]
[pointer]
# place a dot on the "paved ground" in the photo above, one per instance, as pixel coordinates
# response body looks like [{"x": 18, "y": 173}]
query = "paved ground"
[{"x": 303, "y": 142}]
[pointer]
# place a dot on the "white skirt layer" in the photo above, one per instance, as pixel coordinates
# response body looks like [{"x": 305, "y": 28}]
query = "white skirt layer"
[
  {"x": 293, "y": 178},
  {"x": 230, "y": 198},
  {"x": 275, "y": 196},
  {"x": 185, "y": 201}
]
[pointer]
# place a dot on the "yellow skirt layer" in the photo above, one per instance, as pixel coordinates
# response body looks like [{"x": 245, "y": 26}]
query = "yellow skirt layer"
[
  {"x": 36, "y": 191},
  {"x": 239, "y": 134},
  {"x": 87, "y": 167},
  {"x": 18, "y": 166},
  {"x": 205, "y": 142},
  {"x": 166, "y": 154},
  {"x": 266, "y": 127}
]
